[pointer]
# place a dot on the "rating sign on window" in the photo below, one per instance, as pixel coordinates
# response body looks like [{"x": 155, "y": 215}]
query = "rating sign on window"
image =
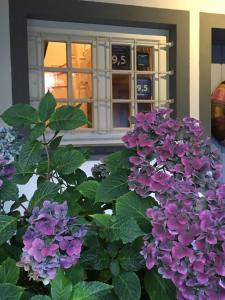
[
  {"x": 120, "y": 57},
  {"x": 144, "y": 88}
]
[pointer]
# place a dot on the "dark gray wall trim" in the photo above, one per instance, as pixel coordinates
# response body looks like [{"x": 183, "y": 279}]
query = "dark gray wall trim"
[
  {"x": 176, "y": 21},
  {"x": 207, "y": 23}
]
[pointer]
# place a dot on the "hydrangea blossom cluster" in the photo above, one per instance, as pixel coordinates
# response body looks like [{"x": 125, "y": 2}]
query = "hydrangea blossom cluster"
[
  {"x": 10, "y": 144},
  {"x": 175, "y": 163},
  {"x": 52, "y": 240}
]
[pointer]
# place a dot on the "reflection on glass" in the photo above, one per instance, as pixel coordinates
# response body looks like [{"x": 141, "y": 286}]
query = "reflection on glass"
[
  {"x": 121, "y": 57},
  {"x": 144, "y": 107},
  {"x": 144, "y": 87},
  {"x": 56, "y": 83},
  {"x": 59, "y": 104},
  {"x": 121, "y": 86},
  {"x": 121, "y": 114},
  {"x": 144, "y": 58},
  {"x": 81, "y": 55},
  {"x": 87, "y": 109},
  {"x": 82, "y": 86},
  {"x": 54, "y": 54}
]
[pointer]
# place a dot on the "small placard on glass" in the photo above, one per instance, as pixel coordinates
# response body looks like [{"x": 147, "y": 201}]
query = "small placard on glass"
[
  {"x": 121, "y": 57},
  {"x": 144, "y": 87},
  {"x": 144, "y": 58}
]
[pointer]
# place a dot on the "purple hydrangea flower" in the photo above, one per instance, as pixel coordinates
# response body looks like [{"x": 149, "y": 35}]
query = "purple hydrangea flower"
[{"x": 52, "y": 240}]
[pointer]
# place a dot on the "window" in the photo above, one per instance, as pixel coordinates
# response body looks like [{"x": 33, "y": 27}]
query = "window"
[{"x": 111, "y": 75}]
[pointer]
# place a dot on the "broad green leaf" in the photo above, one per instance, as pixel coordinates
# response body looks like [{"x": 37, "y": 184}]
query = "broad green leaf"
[
  {"x": 134, "y": 206},
  {"x": 47, "y": 106},
  {"x": 90, "y": 290},
  {"x": 102, "y": 220},
  {"x": 7, "y": 228},
  {"x": 67, "y": 118},
  {"x": 114, "y": 186},
  {"x": 9, "y": 272},
  {"x": 95, "y": 258},
  {"x": 118, "y": 160},
  {"x": 157, "y": 287},
  {"x": 28, "y": 296},
  {"x": 125, "y": 229},
  {"x": 55, "y": 143},
  {"x": 30, "y": 154},
  {"x": 66, "y": 160},
  {"x": 130, "y": 258},
  {"x": 20, "y": 115},
  {"x": 46, "y": 190},
  {"x": 40, "y": 297},
  {"x": 114, "y": 267},
  {"x": 12, "y": 250},
  {"x": 37, "y": 131},
  {"x": 21, "y": 176},
  {"x": 88, "y": 188},
  {"x": 127, "y": 286},
  {"x": 9, "y": 191},
  {"x": 76, "y": 274},
  {"x": 61, "y": 287},
  {"x": 9, "y": 291}
]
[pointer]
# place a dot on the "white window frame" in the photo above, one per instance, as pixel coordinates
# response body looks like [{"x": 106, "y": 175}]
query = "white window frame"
[{"x": 101, "y": 37}]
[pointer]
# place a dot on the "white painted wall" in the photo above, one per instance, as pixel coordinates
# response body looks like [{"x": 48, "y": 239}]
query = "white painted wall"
[
  {"x": 5, "y": 66},
  {"x": 194, "y": 6}
]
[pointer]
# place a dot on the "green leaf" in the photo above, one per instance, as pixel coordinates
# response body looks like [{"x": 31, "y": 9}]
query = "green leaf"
[
  {"x": 157, "y": 287},
  {"x": 9, "y": 272},
  {"x": 118, "y": 160},
  {"x": 130, "y": 258},
  {"x": 76, "y": 274},
  {"x": 46, "y": 190},
  {"x": 67, "y": 118},
  {"x": 40, "y": 297},
  {"x": 66, "y": 160},
  {"x": 102, "y": 220},
  {"x": 114, "y": 186},
  {"x": 127, "y": 286},
  {"x": 37, "y": 131},
  {"x": 7, "y": 228},
  {"x": 47, "y": 106},
  {"x": 20, "y": 115},
  {"x": 88, "y": 188},
  {"x": 90, "y": 290},
  {"x": 9, "y": 191},
  {"x": 30, "y": 154},
  {"x": 134, "y": 206},
  {"x": 55, "y": 143},
  {"x": 114, "y": 267},
  {"x": 61, "y": 287},
  {"x": 125, "y": 229},
  {"x": 9, "y": 291},
  {"x": 95, "y": 258}
]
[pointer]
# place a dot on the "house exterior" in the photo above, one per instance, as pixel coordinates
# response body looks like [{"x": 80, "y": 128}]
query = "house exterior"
[{"x": 112, "y": 58}]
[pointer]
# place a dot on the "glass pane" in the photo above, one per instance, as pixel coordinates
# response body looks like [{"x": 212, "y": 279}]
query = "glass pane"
[
  {"x": 144, "y": 107},
  {"x": 144, "y": 87},
  {"x": 121, "y": 57},
  {"x": 54, "y": 54},
  {"x": 144, "y": 58},
  {"x": 82, "y": 86},
  {"x": 121, "y": 86},
  {"x": 87, "y": 109},
  {"x": 121, "y": 114},
  {"x": 81, "y": 55},
  {"x": 56, "y": 83}
]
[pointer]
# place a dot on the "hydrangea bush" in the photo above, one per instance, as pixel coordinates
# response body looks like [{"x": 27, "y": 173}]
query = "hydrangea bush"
[
  {"x": 173, "y": 162},
  {"x": 52, "y": 240}
]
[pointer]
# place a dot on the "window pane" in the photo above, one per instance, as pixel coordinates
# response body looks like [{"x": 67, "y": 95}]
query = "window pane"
[
  {"x": 144, "y": 58},
  {"x": 81, "y": 55},
  {"x": 82, "y": 86},
  {"x": 54, "y": 54},
  {"x": 144, "y": 107},
  {"x": 87, "y": 109},
  {"x": 121, "y": 114},
  {"x": 121, "y": 57},
  {"x": 144, "y": 87},
  {"x": 121, "y": 86},
  {"x": 56, "y": 82}
]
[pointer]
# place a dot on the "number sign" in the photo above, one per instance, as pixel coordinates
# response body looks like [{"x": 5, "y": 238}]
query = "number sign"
[
  {"x": 120, "y": 57},
  {"x": 144, "y": 88}
]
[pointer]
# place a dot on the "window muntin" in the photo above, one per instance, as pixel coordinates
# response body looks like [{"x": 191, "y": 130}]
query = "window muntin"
[{"x": 107, "y": 125}]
